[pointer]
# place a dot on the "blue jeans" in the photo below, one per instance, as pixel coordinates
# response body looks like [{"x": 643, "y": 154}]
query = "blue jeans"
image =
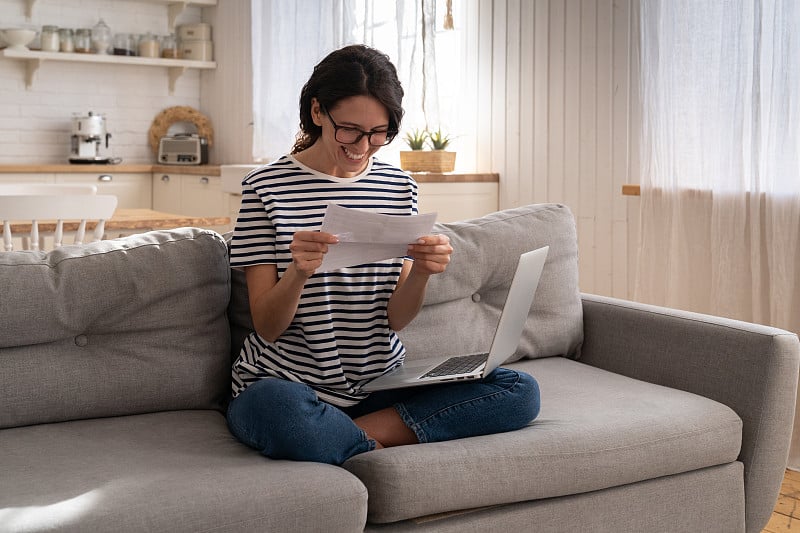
[{"x": 286, "y": 420}]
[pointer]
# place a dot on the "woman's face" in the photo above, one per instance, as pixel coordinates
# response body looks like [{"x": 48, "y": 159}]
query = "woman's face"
[{"x": 346, "y": 159}]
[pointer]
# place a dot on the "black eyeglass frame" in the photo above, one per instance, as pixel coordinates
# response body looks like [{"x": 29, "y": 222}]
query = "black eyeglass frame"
[{"x": 390, "y": 134}]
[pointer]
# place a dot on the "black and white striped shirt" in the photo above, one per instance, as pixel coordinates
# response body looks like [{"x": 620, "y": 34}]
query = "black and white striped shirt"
[{"x": 340, "y": 335}]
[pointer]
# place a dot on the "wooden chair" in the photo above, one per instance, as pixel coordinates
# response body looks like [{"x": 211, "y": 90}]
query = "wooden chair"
[
  {"x": 46, "y": 188},
  {"x": 68, "y": 206}
]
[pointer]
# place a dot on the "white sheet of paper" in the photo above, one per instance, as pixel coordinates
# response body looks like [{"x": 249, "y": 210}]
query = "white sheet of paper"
[{"x": 365, "y": 237}]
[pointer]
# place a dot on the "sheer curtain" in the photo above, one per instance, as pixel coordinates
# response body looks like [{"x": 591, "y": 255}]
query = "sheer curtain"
[
  {"x": 291, "y": 36},
  {"x": 721, "y": 172},
  {"x": 720, "y": 206}
]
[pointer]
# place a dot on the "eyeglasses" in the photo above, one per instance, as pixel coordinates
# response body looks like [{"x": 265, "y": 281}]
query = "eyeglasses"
[{"x": 350, "y": 135}]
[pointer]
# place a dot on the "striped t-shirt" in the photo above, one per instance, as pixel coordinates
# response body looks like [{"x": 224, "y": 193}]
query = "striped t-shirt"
[{"x": 340, "y": 335}]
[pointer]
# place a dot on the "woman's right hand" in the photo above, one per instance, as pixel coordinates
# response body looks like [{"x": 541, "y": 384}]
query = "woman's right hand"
[{"x": 308, "y": 249}]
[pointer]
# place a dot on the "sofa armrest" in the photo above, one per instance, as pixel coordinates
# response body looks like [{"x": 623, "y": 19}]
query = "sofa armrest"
[{"x": 753, "y": 369}]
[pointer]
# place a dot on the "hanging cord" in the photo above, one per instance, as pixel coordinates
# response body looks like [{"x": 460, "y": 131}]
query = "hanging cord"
[{"x": 448, "y": 17}]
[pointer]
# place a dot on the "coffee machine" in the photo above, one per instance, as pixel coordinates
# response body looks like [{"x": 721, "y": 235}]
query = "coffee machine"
[{"x": 89, "y": 139}]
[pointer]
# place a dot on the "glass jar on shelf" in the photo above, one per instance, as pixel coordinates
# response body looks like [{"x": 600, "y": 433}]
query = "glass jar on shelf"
[
  {"x": 169, "y": 46},
  {"x": 124, "y": 44},
  {"x": 101, "y": 38},
  {"x": 49, "y": 39},
  {"x": 149, "y": 46},
  {"x": 83, "y": 41},
  {"x": 66, "y": 40}
]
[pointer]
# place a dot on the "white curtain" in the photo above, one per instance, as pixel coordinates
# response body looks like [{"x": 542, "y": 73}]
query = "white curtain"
[
  {"x": 720, "y": 152},
  {"x": 291, "y": 36}
]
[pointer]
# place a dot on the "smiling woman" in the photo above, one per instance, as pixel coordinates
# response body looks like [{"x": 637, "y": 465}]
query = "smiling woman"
[{"x": 321, "y": 336}]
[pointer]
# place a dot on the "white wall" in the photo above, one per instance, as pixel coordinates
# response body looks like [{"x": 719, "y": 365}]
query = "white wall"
[
  {"x": 562, "y": 112},
  {"x": 226, "y": 92},
  {"x": 35, "y": 123}
]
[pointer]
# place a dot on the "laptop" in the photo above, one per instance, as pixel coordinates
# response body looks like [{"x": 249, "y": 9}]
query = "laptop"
[{"x": 504, "y": 344}]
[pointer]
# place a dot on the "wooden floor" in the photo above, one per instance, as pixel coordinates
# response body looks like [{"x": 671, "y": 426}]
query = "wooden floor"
[{"x": 786, "y": 516}]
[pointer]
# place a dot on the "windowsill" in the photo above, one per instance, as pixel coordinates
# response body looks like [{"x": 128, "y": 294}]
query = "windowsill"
[{"x": 455, "y": 177}]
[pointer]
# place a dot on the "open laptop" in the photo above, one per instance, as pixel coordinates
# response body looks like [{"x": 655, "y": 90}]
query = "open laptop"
[{"x": 504, "y": 344}]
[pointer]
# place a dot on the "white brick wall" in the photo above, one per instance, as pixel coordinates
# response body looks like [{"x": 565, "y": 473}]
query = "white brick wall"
[{"x": 35, "y": 123}]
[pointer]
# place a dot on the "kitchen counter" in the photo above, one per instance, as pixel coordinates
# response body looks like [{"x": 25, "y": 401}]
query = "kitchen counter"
[
  {"x": 67, "y": 168},
  {"x": 214, "y": 170},
  {"x": 216, "y": 189},
  {"x": 195, "y": 170},
  {"x": 232, "y": 176}
]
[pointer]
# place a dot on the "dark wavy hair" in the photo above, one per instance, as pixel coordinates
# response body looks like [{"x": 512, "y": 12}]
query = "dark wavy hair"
[{"x": 354, "y": 70}]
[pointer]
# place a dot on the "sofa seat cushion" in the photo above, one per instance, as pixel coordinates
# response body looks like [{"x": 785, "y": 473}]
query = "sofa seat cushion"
[
  {"x": 172, "y": 471},
  {"x": 595, "y": 430}
]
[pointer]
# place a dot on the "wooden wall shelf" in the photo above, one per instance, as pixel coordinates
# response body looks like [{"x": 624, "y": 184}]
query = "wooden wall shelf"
[{"x": 34, "y": 60}]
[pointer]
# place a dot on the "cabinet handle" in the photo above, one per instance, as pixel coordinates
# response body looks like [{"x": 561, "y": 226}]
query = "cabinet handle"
[
  {"x": 105, "y": 177},
  {"x": 165, "y": 178},
  {"x": 204, "y": 180}
]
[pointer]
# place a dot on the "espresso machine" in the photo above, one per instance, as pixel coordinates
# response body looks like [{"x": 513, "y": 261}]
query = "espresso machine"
[{"x": 89, "y": 139}]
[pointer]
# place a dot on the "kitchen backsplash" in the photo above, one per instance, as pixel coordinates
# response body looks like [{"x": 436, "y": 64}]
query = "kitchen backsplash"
[{"x": 35, "y": 122}]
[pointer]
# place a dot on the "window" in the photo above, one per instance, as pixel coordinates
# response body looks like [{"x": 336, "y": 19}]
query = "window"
[{"x": 291, "y": 36}]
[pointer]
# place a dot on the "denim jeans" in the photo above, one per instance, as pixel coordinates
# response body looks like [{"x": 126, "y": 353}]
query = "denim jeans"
[{"x": 286, "y": 420}]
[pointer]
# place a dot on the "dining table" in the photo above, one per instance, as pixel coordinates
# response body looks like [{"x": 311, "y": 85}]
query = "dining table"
[{"x": 126, "y": 221}]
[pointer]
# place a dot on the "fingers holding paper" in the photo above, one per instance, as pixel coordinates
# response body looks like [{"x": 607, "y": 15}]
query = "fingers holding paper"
[
  {"x": 431, "y": 254},
  {"x": 309, "y": 248}
]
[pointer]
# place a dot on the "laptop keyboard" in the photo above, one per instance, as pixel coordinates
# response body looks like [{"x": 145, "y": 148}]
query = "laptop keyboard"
[{"x": 462, "y": 364}]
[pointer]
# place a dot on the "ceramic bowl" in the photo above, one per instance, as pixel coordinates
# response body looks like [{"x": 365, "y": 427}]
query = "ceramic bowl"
[{"x": 17, "y": 38}]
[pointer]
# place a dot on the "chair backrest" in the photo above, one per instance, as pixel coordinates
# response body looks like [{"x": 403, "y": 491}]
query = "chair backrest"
[
  {"x": 58, "y": 206},
  {"x": 46, "y": 188}
]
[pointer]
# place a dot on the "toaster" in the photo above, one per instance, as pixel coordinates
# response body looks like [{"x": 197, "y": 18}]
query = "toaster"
[{"x": 183, "y": 150}]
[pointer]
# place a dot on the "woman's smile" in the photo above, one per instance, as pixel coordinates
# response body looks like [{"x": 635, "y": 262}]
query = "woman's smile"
[
  {"x": 352, "y": 155},
  {"x": 363, "y": 114}
]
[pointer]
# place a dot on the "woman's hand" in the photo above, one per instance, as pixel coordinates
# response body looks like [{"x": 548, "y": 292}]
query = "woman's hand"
[
  {"x": 308, "y": 249},
  {"x": 431, "y": 254}
]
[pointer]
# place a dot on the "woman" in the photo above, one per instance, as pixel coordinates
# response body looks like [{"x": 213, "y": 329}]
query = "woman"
[{"x": 320, "y": 336}]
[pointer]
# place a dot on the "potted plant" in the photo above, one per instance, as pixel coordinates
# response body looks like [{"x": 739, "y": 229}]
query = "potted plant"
[
  {"x": 415, "y": 139},
  {"x": 439, "y": 143},
  {"x": 438, "y": 140},
  {"x": 435, "y": 160}
]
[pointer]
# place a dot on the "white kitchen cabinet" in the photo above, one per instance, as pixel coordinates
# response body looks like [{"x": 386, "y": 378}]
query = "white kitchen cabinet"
[
  {"x": 8, "y": 177},
  {"x": 133, "y": 190},
  {"x": 202, "y": 195},
  {"x": 234, "y": 203},
  {"x": 191, "y": 195},
  {"x": 167, "y": 193},
  {"x": 458, "y": 201}
]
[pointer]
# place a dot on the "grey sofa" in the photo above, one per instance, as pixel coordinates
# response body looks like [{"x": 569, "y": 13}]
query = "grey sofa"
[{"x": 114, "y": 374}]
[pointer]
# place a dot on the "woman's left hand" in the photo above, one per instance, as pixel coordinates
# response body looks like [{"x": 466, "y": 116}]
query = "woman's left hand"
[{"x": 431, "y": 254}]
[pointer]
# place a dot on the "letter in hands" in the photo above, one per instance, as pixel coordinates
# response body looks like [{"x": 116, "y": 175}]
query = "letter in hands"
[
  {"x": 431, "y": 254},
  {"x": 308, "y": 249}
]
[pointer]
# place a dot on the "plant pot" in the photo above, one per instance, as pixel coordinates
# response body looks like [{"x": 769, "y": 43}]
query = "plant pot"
[{"x": 427, "y": 160}]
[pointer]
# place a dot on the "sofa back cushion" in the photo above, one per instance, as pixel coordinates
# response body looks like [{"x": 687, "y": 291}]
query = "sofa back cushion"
[
  {"x": 116, "y": 327},
  {"x": 462, "y": 305}
]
